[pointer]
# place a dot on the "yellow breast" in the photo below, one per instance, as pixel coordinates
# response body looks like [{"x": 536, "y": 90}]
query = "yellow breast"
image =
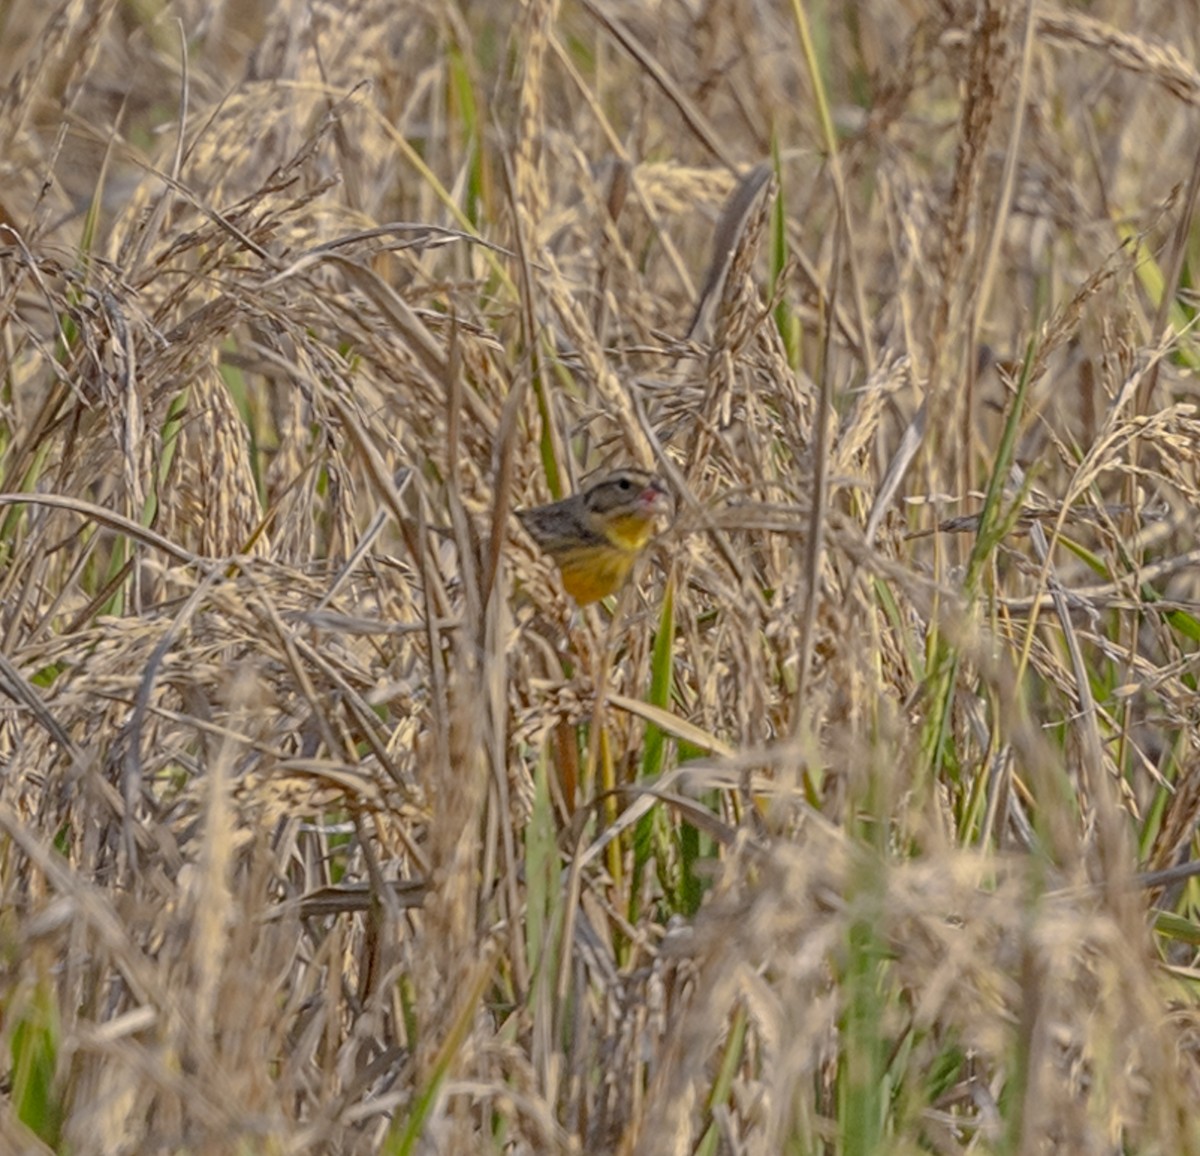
[
  {"x": 628, "y": 531},
  {"x": 594, "y": 572}
]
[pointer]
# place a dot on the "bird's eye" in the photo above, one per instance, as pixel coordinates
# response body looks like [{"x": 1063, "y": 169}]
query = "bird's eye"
[{"x": 625, "y": 483}]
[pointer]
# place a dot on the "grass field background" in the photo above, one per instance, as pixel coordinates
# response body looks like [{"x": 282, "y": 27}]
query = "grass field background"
[{"x": 860, "y": 822}]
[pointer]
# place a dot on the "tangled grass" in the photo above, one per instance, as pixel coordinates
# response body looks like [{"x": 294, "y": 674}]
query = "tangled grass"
[{"x": 861, "y": 822}]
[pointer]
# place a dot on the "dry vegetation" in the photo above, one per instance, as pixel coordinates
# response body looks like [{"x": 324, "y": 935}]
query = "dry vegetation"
[{"x": 859, "y": 823}]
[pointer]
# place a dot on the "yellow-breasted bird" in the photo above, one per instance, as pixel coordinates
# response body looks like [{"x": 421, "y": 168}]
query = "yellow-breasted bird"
[{"x": 595, "y": 536}]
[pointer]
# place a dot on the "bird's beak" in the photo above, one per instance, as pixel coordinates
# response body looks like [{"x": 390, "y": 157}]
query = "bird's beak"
[{"x": 657, "y": 500}]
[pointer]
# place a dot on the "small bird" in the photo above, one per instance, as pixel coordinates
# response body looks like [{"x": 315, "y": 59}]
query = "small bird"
[{"x": 595, "y": 536}]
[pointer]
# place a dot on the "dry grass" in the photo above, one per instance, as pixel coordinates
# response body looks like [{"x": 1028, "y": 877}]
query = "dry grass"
[{"x": 860, "y": 823}]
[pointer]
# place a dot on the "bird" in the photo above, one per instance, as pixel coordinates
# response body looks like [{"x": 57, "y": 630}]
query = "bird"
[{"x": 595, "y": 536}]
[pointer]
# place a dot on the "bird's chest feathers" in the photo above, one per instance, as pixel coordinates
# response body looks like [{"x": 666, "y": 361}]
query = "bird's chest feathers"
[
  {"x": 629, "y": 531},
  {"x": 596, "y": 575}
]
